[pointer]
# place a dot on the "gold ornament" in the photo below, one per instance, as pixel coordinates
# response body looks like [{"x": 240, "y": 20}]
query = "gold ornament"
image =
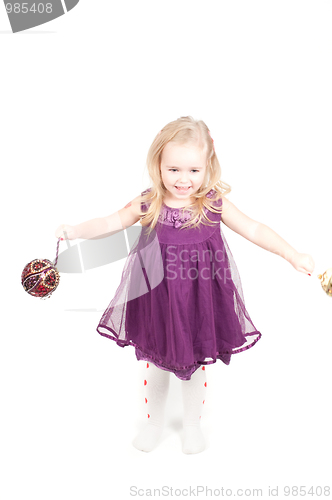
[{"x": 326, "y": 281}]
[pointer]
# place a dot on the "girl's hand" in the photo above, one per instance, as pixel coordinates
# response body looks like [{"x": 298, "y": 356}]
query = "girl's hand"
[
  {"x": 303, "y": 262},
  {"x": 66, "y": 232}
]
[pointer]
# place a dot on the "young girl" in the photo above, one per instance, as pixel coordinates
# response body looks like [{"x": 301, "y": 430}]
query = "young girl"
[{"x": 180, "y": 301}]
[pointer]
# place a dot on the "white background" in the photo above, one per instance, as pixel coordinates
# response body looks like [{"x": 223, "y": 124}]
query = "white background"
[{"x": 82, "y": 98}]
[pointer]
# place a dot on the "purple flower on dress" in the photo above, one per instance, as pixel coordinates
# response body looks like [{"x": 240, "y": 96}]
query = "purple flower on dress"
[
  {"x": 175, "y": 214},
  {"x": 181, "y": 220},
  {"x": 172, "y": 216},
  {"x": 167, "y": 215}
]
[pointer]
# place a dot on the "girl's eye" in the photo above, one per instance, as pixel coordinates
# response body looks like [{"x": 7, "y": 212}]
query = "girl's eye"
[{"x": 175, "y": 170}]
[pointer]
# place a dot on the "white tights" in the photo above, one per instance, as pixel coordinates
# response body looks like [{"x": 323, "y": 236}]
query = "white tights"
[{"x": 156, "y": 385}]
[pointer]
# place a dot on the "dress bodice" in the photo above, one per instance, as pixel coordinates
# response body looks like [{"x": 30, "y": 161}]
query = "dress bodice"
[{"x": 176, "y": 217}]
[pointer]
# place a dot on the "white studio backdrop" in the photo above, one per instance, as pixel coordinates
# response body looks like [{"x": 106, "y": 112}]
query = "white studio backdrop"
[{"x": 82, "y": 98}]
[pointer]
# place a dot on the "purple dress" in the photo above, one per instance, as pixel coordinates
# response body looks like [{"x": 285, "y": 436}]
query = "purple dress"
[{"x": 180, "y": 301}]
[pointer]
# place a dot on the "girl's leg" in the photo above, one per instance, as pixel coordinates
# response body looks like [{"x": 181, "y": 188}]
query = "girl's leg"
[
  {"x": 193, "y": 392},
  {"x": 156, "y": 384}
]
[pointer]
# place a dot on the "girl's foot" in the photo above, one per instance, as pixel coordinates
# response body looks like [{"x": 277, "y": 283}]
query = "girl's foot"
[
  {"x": 193, "y": 439},
  {"x": 148, "y": 438}
]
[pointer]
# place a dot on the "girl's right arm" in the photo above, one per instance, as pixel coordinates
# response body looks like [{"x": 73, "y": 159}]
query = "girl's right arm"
[{"x": 102, "y": 227}]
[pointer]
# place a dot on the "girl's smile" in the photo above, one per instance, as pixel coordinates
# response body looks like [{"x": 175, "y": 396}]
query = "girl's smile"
[{"x": 183, "y": 189}]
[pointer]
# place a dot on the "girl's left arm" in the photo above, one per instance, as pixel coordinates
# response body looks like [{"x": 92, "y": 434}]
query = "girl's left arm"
[{"x": 264, "y": 237}]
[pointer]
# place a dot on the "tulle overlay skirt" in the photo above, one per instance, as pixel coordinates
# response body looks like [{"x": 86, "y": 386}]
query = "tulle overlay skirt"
[{"x": 180, "y": 301}]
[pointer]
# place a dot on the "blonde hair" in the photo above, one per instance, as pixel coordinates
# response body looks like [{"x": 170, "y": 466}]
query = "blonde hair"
[{"x": 184, "y": 130}]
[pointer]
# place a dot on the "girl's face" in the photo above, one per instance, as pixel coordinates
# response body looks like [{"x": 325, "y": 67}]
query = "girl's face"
[{"x": 182, "y": 166}]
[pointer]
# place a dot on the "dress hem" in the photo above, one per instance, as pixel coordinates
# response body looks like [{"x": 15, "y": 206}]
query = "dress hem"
[{"x": 225, "y": 356}]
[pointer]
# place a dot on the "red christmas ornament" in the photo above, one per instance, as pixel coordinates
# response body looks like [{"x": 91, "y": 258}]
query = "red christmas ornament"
[{"x": 40, "y": 277}]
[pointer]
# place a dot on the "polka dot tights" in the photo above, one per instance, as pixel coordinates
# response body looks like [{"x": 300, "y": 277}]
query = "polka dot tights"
[{"x": 156, "y": 387}]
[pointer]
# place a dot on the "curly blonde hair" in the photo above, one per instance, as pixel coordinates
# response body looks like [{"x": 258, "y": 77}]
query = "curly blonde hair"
[{"x": 184, "y": 130}]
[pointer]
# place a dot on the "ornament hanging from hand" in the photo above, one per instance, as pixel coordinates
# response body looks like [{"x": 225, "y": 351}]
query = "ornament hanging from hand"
[{"x": 40, "y": 277}]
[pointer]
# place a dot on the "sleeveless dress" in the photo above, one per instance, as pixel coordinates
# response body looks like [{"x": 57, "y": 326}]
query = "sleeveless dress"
[{"x": 180, "y": 300}]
